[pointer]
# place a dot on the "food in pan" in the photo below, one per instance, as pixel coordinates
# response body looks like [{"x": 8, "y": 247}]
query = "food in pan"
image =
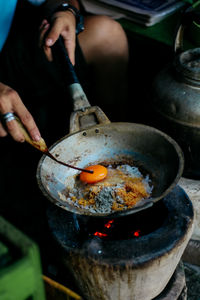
[{"x": 121, "y": 189}]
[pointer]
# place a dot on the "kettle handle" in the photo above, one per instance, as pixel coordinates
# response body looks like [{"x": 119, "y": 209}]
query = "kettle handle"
[{"x": 189, "y": 15}]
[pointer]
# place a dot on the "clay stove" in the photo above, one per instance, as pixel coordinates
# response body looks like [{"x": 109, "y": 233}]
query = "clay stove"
[{"x": 132, "y": 257}]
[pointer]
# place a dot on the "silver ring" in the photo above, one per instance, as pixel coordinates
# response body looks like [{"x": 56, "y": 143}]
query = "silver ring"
[{"x": 8, "y": 117}]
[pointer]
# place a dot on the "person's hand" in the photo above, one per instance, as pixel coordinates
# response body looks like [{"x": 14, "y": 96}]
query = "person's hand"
[
  {"x": 62, "y": 23},
  {"x": 10, "y": 102}
]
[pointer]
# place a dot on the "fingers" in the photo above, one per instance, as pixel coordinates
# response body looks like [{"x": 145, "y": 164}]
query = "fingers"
[
  {"x": 27, "y": 120},
  {"x": 3, "y": 132},
  {"x": 7, "y": 96},
  {"x": 11, "y": 102},
  {"x": 43, "y": 30},
  {"x": 29, "y": 124},
  {"x": 14, "y": 130},
  {"x": 64, "y": 24}
]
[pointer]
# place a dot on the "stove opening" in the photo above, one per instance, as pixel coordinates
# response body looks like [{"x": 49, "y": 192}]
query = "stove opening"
[{"x": 127, "y": 227}]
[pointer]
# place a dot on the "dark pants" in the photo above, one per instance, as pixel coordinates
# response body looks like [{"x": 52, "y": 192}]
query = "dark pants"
[{"x": 24, "y": 67}]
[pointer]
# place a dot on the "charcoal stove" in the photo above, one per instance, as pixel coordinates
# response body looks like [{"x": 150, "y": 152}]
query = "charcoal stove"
[
  {"x": 134, "y": 255},
  {"x": 131, "y": 257}
]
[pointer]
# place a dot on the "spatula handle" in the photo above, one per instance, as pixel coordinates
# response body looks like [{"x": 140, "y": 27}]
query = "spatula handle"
[{"x": 40, "y": 145}]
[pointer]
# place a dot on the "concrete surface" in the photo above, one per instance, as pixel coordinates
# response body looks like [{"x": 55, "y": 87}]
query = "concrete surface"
[
  {"x": 191, "y": 257},
  {"x": 192, "y": 273},
  {"x": 192, "y": 189}
]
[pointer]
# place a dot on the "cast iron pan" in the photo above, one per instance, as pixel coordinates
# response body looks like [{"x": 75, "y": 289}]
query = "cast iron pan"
[{"x": 93, "y": 139}]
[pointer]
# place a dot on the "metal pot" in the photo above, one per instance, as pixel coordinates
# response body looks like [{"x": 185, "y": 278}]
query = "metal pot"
[
  {"x": 94, "y": 139},
  {"x": 176, "y": 99}
]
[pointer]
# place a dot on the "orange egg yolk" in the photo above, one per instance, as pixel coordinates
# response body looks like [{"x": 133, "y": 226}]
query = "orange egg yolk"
[{"x": 99, "y": 173}]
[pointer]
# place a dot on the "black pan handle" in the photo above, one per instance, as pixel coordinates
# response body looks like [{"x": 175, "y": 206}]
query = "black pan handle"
[
  {"x": 61, "y": 57},
  {"x": 84, "y": 114},
  {"x": 66, "y": 69}
]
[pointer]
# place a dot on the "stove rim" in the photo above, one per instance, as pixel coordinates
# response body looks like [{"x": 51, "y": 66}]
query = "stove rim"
[{"x": 135, "y": 258}]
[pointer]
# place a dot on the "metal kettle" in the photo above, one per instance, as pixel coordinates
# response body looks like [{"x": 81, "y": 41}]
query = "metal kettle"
[{"x": 176, "y": 99}]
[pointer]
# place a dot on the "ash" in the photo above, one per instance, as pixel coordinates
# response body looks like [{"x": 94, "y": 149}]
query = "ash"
[{"x": 104, "y": 200}]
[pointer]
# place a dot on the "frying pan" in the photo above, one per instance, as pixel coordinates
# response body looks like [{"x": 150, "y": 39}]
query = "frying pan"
[{"x": 93, "y": 139}]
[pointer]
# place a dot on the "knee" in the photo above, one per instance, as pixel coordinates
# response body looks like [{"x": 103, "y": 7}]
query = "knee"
[
  {"x": 104, "y": 37},
  {"x": 104, "y": 28}
]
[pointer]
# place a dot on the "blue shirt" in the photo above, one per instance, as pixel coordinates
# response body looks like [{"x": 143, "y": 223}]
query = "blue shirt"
[{"x": 7, "y": 11}]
